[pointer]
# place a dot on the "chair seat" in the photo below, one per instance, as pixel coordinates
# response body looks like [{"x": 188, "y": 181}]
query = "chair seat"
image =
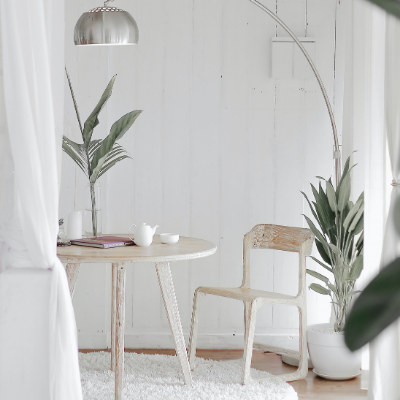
[{"x": 244, "y": 294}]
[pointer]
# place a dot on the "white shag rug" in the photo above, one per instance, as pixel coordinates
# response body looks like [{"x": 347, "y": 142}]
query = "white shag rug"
[{"x": 158, "y": 377}]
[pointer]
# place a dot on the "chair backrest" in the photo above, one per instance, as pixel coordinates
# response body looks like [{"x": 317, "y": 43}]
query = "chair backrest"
[{"x": 277, "y": 237}]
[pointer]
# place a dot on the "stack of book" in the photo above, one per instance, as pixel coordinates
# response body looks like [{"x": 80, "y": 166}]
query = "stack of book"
[{"x": 103, "y": 242}]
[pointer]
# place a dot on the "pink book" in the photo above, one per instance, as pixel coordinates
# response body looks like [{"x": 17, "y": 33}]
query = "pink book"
[{"x": 103, "y": 242}]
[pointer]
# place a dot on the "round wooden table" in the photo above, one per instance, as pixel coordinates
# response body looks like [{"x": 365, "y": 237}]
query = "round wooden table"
[{"x": 158, "y": 253}]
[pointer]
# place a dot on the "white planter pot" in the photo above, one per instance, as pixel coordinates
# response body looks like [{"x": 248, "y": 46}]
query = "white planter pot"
[{"x": 329, "y": 354}]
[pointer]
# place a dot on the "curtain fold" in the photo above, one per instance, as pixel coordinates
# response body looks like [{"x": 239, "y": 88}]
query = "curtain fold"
[
  {"x": 371, "y": 116},
  {"x": 385, "y": 350},
  {"x": 32, "y": 49}
]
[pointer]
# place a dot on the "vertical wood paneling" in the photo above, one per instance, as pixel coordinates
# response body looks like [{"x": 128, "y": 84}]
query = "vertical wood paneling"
[
  {"x": 205, "y": 149},
  {"x": 219, "y": 148},
  {"x": 290, "y": 131}
]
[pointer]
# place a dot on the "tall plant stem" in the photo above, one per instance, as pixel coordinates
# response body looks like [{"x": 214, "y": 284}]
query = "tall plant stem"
[{"x": 94, "y": 210}]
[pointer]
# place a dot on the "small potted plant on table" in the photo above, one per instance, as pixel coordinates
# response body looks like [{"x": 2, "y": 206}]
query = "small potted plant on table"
[{"x": 339, "y": 237}]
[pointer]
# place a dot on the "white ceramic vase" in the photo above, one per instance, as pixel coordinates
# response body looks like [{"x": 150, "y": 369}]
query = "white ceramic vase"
[{"x": 329, "y": 354}]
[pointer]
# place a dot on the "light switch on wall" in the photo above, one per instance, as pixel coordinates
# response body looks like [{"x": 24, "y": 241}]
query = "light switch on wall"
[{"x": 288, "y": 62}]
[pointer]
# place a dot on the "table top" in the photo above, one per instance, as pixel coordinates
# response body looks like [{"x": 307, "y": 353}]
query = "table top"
[{"x": 186, "y": 249}]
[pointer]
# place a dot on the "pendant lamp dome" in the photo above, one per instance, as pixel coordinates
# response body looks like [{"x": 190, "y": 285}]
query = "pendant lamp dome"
[{"x": 106, "y": 26}]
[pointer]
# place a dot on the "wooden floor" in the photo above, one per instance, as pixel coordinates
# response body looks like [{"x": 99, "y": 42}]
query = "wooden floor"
[{"x": 312, "y": 387}]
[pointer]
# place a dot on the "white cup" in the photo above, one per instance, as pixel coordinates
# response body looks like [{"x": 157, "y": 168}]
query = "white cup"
[{"x": 74, "y": 226}]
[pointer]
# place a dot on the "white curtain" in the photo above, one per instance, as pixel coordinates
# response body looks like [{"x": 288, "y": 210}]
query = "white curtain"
[
  {"x": 32, "y": 51},
  {"x": 385, "y": 350},
  {"x": 371, "y": 101}
]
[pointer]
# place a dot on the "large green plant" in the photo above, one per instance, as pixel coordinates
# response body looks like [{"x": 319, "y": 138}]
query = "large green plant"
[
  {"x": 96, "y": 157},
  {"x": 340, "y": 242}
]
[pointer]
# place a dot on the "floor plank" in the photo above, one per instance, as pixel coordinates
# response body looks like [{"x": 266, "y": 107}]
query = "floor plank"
[{"x": 310, "y": 388}]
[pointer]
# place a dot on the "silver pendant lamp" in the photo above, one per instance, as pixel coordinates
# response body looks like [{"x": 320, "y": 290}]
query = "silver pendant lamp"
[{"x": 106, "y": 26}]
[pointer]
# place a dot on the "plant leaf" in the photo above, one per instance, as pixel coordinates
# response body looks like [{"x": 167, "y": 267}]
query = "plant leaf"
[
  {"x": 317, "y": 275},
  {"x": 344, "y": 192},
  {"x": 315, "y": 231},
  {"x": 74, "y": 151},
  {"x": 353, "y": 211},
  {"x": 330, "y": 192},
  {"x": 311, "y": 208},
  {"x": 321, "y": 263},
  {"x": 357, "y": 267},
  {"x": 359, "y": 227},
  {"x": 359, "y": 215},
  {"x": 322, "y": 252},
  {"x": 376, "y": 308},
  {"x": 319, "y": 289},
  {"x": 93, "y": 120},
  {"x": 320, "y": 177},
  {"x": 107, "y": 166},
  {"x": 118, "y": 130}
]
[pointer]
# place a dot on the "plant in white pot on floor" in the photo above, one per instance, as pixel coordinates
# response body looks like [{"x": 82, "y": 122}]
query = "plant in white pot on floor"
[
  {"x": 96, "y": 157},
  {"x": 339, "y": 237}
]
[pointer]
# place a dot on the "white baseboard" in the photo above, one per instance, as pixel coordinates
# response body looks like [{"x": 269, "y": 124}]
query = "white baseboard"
[{"x": 205, "y": 341}]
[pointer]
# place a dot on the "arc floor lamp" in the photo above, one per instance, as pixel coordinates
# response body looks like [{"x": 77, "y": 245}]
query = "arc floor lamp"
[{"x": 113, "y": 26}]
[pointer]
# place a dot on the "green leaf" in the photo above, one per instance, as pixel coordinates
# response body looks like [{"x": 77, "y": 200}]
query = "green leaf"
[
  {"x": 74, "y": 151},
  {"x": 391, "y": 6},
  {"x": 93, "y": 120},
  {"x": 321, "y": 263},
  {"x": 323, "y": 253},
  {"x": 376, "y": 308},
  {"x": 357, "y": 267},
  {"x": 360, "y": 243},
  {"x": 107, "y": 166},
  {"x": 320, "y": 177},
  {"x": 317, "y": 275},
  {"x": 118, "y": 130},
  {"x": 344, "y": 173},
  {"x": 352, "y": 213},
  {"x": 330, "y": 192},
  {"x": 333, "y": 288},
  {"x": 319, "y": 289},
  {"x": 335, "y": 249},
  {"x": 315, "y": 231},
  {"x": 356, "y": 220},
  {"x": 328, "y": 216},
  {"x": 359, "y": 227},
  {"x": 344, "y": 192},
  {"x": 311, "y": 208}
]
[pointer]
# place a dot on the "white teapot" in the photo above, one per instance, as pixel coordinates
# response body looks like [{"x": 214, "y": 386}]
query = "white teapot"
[{"x": 143, "y": 235}]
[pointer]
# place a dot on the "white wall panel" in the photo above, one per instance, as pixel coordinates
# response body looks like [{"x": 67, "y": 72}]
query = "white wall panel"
[{"x": 220, "y": 147}]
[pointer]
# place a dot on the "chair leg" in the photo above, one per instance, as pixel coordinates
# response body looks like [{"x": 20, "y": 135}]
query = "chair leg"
[
  {"x": 246, "y": 306},
  {"x": 194, "y": 328},
  {"x": 248, "y": 346},
  {"x": 303, "y": 359}
]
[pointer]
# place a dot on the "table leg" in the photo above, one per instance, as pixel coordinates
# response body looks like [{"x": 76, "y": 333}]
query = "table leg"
[
  {"x": 72, "y": 271},
  {"x": 119, "y": 334},
  {"x": 113, "y": 313},
  {"x": 171, "y": 307}
]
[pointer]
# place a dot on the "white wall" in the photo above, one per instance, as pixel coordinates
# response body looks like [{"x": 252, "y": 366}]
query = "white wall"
[{"x": 219, "y": 148}]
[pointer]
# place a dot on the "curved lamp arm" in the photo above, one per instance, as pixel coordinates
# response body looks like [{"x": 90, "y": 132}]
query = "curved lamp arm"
[{"x": 337, "y": 156}]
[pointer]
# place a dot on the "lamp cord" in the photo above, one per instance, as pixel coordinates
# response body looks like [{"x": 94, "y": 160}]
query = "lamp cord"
[{"x": 337, "y": 156}]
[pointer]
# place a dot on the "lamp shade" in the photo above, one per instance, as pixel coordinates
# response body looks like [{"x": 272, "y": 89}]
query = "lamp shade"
[{"x": 106, "y": 26}]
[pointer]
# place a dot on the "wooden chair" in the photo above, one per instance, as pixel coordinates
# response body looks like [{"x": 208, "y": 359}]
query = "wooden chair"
[{"x": 275, "y": 237}]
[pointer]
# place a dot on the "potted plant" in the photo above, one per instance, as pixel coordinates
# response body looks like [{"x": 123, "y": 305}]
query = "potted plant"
[
  {"x": 339, "y": 237},
  {"x": 96, "y": 157}
]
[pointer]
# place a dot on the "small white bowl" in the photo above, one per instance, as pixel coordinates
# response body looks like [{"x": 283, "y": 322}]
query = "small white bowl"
[{"x": 169, "y": 238}]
